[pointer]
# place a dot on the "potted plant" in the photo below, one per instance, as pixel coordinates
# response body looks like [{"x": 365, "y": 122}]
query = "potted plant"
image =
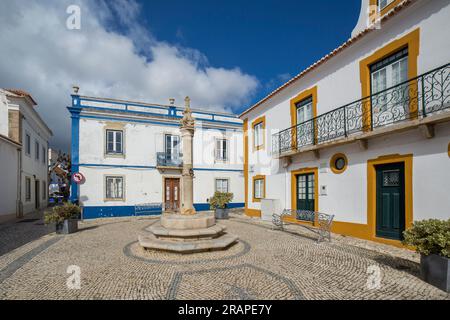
[
  {"x": 65, "y": 217},
  {"x": 431, "y": 238},
  {"x": 219, "y": 202}
]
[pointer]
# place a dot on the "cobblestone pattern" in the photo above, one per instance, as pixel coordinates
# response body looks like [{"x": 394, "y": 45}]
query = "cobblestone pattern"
[{"x": 266, "y": 264}]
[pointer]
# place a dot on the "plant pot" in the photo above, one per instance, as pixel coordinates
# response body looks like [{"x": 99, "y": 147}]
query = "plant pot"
[
  {"x": 435, "y": 270},
  {"x": 221, "y": 213},
  {"x": 67, "y": 226}
]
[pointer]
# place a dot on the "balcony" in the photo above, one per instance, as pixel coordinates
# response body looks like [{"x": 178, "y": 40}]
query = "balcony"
[
  {"x": 418, "y": 102},
  {"x": 168, "y": 160}
]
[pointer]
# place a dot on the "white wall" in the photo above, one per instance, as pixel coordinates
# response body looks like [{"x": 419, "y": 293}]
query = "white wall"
[
  {"x": 142, "y": 142},
  {"x": 8, "y": 171},
  {"x": 35, "y": 169}
]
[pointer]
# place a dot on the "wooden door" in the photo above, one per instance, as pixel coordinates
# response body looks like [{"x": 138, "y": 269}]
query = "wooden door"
[{"x": 172, "y": 194}]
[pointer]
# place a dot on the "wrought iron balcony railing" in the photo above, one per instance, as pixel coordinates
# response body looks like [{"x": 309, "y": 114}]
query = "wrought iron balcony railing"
[
  {"x": 164, "y": 159},
  {"x": 416, "y": 98}
]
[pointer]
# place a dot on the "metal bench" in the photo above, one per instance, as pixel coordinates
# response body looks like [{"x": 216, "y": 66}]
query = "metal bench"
[{"x": 320, "y": 221}]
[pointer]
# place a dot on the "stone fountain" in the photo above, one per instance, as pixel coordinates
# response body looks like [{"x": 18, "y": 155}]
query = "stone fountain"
[{"x": 187, "y": 231}]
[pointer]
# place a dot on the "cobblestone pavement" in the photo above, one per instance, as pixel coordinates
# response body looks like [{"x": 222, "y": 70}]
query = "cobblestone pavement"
[{"x": 264, "y": 264}]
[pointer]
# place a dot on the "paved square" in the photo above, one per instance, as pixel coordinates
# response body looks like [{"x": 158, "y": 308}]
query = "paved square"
[{"x": 265, "y": 264}]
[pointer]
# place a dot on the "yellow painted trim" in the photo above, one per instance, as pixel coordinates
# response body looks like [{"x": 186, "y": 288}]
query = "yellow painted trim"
[
  {"x": 295, "y": 173},
  {"x": 258, "y": 177},
  {"x": 333, "y": 161},
  {"x": 253, "y": 213},
  {"x": 368, "y": 231},
  {"x": 375, "y": 14},
  {"x": 259, "y": 120},
  {"x": 312, "y": 92},
  {"x": 371, "y": 191},
  {"x": 412, "y": 41},
  {"x": 300, "y": 97},
  {"x": 245, "y": 125}
]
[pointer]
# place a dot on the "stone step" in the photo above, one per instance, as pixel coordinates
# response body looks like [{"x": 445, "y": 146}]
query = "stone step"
[
  {"x": 161, "y": 232},
  {"x": 222, "y": 242}
]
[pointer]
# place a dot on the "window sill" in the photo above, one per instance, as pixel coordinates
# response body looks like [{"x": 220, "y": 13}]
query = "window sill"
[
  {"x": 114, "y": 200},
  {"x": 114, "y": 155}
]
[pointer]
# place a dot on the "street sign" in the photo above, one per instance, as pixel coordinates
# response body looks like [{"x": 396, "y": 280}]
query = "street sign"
[{"x": 78, "y": 177}]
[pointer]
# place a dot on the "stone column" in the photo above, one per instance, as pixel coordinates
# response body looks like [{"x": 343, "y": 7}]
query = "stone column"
[{"x": 187, "y": 134}]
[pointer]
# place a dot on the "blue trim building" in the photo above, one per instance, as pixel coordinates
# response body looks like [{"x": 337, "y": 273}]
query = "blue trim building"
[{"x": 130, "y": 181}]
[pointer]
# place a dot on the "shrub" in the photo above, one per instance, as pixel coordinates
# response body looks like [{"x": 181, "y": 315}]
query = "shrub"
[
  {"x": 429, "y": 237},
  {"x": 60, "y": 213},
  {"x": 220, "y": 200}
]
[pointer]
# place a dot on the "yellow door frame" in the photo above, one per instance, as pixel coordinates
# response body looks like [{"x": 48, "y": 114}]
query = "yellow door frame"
[
  {"x": 294, "y": 174},
  {"x": 407, "y": 160}
]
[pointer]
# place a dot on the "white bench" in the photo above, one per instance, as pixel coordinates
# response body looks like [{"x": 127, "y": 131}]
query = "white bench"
[{"x": 320, "y": 221}]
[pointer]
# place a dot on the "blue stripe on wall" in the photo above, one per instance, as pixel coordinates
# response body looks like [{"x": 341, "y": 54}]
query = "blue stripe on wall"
[
  {"x": 149, "y": 167},
  {"x": 94, "y": 212}
]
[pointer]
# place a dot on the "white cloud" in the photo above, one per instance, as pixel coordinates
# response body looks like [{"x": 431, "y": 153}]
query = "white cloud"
[{"x": 40, "y": 55}]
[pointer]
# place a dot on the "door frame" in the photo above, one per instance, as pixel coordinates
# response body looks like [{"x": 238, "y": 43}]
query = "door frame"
[
  {"x": 164, "y": 178},
  {"x": 407, "y": 161},
  {"x": 294, "y": 174}
]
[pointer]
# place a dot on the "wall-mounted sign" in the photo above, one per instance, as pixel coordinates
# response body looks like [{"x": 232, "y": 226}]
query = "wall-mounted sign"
[{"x": 78, "y": 177}]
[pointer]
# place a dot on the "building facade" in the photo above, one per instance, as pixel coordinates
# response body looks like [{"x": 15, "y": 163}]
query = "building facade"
[
  {"x": 364, "y": 133},
  {"x": 130, "y": 156},
  {"x": 23, "y": 157}
]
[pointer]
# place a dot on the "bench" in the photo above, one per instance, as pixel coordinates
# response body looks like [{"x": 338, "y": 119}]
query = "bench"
[{"x": 320, "y": 221}]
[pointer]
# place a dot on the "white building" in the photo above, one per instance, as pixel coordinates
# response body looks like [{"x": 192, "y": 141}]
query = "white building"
[
  {"x": 24, "y": 140},
  {"x": 129, "y": 154},
  {"x": 363, "y": 133}
]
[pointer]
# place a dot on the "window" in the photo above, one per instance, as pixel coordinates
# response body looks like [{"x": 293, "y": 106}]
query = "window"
[
  {"x": 44, "y": 190},
  {"x": 222, "y": 185},
  {"x": 385, "y": 74},
  {"x": 114, "y": 142},
  {"x": 28, "y": 144},
  {"x": 37, "y": 149},
  {"x": 221, "y": 149},
  {"x": 259, "y": 188},
  {"x": 43, "y": 155},
  {"x": 383, "y": 4},
  {"x": 304, "y": 110},
  {"x": 27, "y": 189},
  {"x": 114, "y": 188},
  {"x": 338, "y": 163},
  {"x": 172, "y": 146},
  {"x": 259, "y": 126}
]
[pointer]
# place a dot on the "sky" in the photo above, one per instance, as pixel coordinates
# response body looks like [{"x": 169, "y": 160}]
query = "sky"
[{"x": 225, "y": 54}]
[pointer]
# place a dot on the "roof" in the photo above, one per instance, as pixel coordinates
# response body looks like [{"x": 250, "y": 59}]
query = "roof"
[
  {"x": 22, "y": 93},
  {"x": 227, "y": 114},
  {"x": 339, "y": 49}
]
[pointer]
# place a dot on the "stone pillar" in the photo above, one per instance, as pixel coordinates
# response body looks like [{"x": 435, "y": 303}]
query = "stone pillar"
[{"x": 187, "y": 135}]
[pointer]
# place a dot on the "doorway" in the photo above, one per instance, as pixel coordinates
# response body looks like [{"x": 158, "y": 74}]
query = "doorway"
[
  {"x": 172, "y": 194},
  {"x": 390, "y": 200},
  {"x": 36, "y": 195}
]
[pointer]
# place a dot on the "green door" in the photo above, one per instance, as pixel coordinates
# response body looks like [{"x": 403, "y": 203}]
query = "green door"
[
  {"x": 305, "y": 192},
  {"x": 390, "y": 221}
]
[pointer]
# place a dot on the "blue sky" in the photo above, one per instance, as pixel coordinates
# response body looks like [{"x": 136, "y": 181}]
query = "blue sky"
[
  {"x": 224, "y": 54},
  {"x": 268, "y": 39}
]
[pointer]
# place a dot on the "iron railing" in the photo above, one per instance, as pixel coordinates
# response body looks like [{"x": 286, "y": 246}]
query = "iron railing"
[
  {"x": 164, "y": 159},
  {"x": 418, "y": 97}
]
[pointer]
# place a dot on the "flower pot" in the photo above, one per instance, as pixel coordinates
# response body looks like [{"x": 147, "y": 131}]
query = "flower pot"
[
  {"x": 67, "y": 226},
  {"x": 435, "y": 270},
  {"x": 221, "y": 213}
]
